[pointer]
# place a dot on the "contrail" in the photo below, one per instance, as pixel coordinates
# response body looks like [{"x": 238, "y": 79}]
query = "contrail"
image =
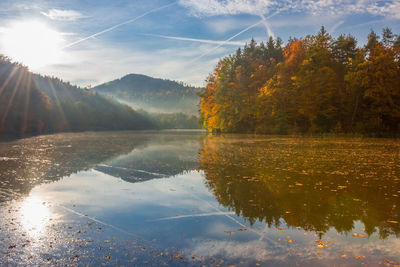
[
  {"x": 119, "y": 25},
  {"x": 237, "y": 34},
  {"x": 194, "y": 39},
  {"x": 334, "y": 27},
  {"x": 226, "y": 41},
  {"x": 266, "y": 24}
]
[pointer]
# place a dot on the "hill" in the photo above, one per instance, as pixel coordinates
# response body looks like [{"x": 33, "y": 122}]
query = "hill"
[
  {"x": 31, "y": 104},
  {"x": 23, "y": 107},
  {"x": 152, "y": 94}
]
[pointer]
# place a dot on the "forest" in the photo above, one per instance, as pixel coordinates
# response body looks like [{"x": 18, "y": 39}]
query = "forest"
[
  {"x": 32, "y": 104},
  {"x": 316, "y": 84}
]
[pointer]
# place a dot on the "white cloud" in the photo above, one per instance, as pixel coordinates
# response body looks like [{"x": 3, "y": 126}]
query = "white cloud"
[
  {"x": 390, "y": 8},
  {"x": 228, "y": 7},
  {"x": 64, "y": 15}
]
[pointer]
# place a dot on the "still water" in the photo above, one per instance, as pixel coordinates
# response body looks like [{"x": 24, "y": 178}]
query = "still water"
[{"x": 185, "y": 198}]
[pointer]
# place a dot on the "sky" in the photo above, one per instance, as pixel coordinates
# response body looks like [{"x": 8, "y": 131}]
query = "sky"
[{"x": 89, "y": 42}]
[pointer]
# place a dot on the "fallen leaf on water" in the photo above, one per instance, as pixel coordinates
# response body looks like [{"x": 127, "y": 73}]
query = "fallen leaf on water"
[
  {"x": 242, "y": 229},
  {"x": 229, "y": 232},
  {"x": 291, "y": 241},
  {"x": 281, "y": 228},
  {"x": 344, "y": 256}
]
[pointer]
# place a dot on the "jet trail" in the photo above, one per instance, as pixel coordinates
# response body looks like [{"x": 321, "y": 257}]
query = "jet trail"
[
  {"x": 194, "y": 39},
  {"x": 119, "y": 25},
  {"x": 334, "y": 27},
  {"x": 263, "y": 20},
  {"x": 226, "y": 41},
  {"x": 266, "y": 24}
]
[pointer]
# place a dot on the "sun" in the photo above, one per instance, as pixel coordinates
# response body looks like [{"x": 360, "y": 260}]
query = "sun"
[{"x": 32, "y": 43}]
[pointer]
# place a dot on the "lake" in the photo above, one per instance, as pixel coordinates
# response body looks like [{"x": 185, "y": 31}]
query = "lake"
[{"x": 174, "y": 198}]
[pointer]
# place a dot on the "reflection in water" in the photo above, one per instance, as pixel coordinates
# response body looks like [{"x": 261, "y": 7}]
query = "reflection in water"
[
  {"x": 131, "y": 156},
  {"x": 310, "y": 183},
  {"x": 116, "y": 198},
  {"x": 162, "y": 157},
  {"x": 34, "y": 216}
]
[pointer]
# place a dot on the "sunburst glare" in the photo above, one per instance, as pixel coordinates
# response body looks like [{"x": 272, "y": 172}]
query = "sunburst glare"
[{"x": 33, "y": 43}]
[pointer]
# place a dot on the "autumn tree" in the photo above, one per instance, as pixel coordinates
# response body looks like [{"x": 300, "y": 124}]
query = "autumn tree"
[{"x": 313, "y": 85}]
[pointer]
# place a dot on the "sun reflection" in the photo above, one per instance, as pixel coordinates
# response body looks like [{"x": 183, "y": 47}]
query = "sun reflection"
[{"x": 34, "y": 216}]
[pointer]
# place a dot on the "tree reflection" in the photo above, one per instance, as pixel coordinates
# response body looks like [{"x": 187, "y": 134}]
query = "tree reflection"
[
  {"x": 310, "y": 183},
  {"x": 132, "y": 156}
]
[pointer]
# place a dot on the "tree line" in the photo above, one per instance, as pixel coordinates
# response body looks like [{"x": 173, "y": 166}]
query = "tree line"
[{"x": 316, "y": 84}]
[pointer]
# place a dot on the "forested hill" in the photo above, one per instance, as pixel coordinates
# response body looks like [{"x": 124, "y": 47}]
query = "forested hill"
[
  {"x": 32, "y": 104},
  {"x": 317, "y": 84},
  {"x": 152, "y": 94},
  {"x": 24, "y": 108}
]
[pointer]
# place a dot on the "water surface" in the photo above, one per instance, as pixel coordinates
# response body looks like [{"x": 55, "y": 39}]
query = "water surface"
[{"x": 185, "y": 198}]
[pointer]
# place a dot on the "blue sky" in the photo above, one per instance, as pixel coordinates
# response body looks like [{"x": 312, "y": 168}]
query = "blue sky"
[{"x": 94, "y": 41}]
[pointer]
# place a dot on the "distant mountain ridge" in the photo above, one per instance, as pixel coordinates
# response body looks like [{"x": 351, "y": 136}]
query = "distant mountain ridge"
[{"x": 153, "y": 94}]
